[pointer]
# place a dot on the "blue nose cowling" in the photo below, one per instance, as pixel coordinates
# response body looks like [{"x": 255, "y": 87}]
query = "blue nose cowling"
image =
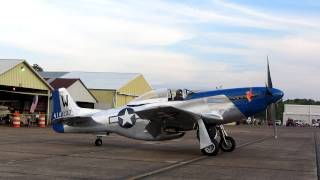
[{"x": 276, "y": 95}]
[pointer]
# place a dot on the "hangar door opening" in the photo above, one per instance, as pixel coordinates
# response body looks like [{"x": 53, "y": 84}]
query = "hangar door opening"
[{"x": 28, "y": 102}]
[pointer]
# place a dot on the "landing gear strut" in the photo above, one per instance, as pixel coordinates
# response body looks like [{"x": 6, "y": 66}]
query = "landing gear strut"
[
  {"x": 98, "y": 141},
  {"x": 212, "y": 131},
  {"x": 213, "y": 149},
  {"x": 227, "y": 143}
]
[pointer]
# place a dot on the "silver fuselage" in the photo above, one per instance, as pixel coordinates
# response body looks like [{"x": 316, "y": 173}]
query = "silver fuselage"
[{"x": 107, "y": 120}]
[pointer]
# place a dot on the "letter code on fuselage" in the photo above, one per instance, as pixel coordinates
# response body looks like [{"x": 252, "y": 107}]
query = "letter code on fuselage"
[{"x": 61, "y": 114}]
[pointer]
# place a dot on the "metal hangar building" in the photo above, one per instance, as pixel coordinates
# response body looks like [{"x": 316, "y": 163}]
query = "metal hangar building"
[
  {"x": 109, "y": 89},
  {"x": 79, "y": 92},
  {"x": 20, "y": 84},
  {"x": 307, "y": 114}
]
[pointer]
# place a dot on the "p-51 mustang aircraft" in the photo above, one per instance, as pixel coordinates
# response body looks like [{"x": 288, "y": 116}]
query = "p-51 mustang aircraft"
[{"x": 166, "y": 114}]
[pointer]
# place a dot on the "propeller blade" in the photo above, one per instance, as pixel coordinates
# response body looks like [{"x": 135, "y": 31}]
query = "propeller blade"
[
  {"x": 268, "y": 92},
  {"x": 271, "y": 110},
  {"x": 269, "y": 81}
]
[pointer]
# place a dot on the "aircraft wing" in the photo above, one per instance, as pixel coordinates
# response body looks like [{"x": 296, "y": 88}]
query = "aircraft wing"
[
  {"x": 213, "y": 117},
  {"x": 171, "y": 117},
  {"x": 167, "y": 117},
  {"x": 77, "y": 121}
]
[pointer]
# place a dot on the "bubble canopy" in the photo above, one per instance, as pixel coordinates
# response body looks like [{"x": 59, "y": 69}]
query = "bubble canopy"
[{"x": 164, "y": 93}]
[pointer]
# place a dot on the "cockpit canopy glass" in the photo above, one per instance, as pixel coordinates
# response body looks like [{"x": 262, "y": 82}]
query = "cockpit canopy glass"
[
  {"x": 170, "y": 94},
  {"x": 153, "y": 94}
]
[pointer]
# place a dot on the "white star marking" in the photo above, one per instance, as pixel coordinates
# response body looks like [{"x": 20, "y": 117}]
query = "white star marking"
[{"x": 126, "y": 118}]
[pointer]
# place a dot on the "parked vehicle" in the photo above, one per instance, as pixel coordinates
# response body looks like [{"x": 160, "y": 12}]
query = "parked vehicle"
[
  {"x": 290, "y": 122},
  {"x": 315, "y": 123},
  {"x": 298, "y": 123},
  {"x": 278, "y": 122}
]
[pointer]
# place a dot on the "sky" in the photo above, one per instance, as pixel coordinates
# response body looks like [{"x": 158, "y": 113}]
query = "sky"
[{"x": 173, "y": 43}]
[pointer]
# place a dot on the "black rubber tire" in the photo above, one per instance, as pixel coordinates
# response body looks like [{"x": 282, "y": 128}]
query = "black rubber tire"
[
  {"x": 228, "y": 148},
  {"x": 212, "y": 150},
  {"x": 98, "y": 142}
]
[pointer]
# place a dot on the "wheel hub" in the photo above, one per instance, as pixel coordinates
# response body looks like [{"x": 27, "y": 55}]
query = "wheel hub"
[
  {"x": 210, "y": 149},
  {"x": 227, "y": 144}
]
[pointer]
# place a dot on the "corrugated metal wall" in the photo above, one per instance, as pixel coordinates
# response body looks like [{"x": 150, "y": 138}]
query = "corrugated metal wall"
[
  {"x": 104, "y": 96},
  {"x": 134, "y": 88},
  {"x": 22, "y": 76},
  {"x": 80, "y": 93},
  {"x": 123, "y": 99}
]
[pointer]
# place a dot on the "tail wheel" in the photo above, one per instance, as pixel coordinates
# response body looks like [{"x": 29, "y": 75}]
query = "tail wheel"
[
  {"x": 98, "y": 142},
  {"x": 211, "y": 150},
  {"x": 228, "y": 145}
]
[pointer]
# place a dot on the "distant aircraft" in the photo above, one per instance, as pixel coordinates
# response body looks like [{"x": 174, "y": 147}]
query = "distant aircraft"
[{"x": 166, "y": 114}]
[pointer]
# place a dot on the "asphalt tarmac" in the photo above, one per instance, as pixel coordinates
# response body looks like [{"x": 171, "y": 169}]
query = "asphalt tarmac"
[{"x": 35, "y": 153}]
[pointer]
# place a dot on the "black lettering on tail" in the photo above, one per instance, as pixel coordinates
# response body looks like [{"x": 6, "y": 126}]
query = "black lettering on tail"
[{"x": 65, "y": 101}]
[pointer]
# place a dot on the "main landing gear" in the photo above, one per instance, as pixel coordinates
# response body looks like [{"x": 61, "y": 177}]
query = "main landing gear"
[{"x": 226, "y": 143}]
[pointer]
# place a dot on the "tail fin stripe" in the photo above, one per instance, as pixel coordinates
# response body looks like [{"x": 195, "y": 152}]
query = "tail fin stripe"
[{"x": 56, "y": 101}]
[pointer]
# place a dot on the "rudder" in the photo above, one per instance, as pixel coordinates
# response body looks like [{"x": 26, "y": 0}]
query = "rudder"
[{"x": 63, "y": 104}]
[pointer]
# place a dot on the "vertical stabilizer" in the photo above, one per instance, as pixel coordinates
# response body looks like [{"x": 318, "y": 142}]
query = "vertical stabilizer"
[{"x": 63, "y": 104}]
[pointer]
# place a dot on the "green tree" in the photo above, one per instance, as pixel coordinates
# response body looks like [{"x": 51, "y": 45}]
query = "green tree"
[{"x": 37, "y": 67}]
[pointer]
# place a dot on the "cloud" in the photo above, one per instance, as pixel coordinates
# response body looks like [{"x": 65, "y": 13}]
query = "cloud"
[
  {"x": 294, "y": 60},
  {"x": 39, "y": 23},
  {"x": 172, "y": 43},
  {"x": 275, "y": 20}
]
